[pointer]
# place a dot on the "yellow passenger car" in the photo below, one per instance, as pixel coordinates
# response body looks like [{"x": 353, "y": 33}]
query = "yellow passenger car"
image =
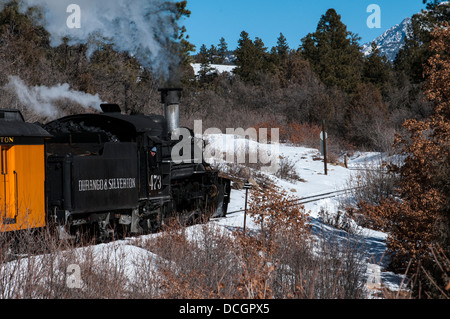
[{"x": 22, "y": 168}]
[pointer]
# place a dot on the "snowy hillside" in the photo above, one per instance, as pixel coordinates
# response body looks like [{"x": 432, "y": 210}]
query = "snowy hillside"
[
  {"x": 127, "y": 252},
  {"x": 316, "y": 182},
  {"x": 219, "y": 68},
  {"x": 391, "y": 41}
]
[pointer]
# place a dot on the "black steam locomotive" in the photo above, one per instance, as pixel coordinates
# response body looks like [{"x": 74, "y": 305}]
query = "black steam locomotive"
[{"x": 111, "y": 172}]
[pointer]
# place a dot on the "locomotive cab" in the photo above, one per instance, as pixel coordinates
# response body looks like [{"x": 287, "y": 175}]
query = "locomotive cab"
[{"x": 22, "y": 179}]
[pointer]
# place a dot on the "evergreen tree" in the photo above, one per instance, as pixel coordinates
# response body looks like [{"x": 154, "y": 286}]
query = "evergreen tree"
[
  {"x": 282, "y": 46},
  {"x": 205, "y": 65},
  {"x": 279, "y": 54},
  {"x": 432, "y": 3},
  {"x": 213, "y": 54},
  {"x": 222, "y": 51},
  {"x": 246, "y": 58},
  {"x": 180, "y": 47},
  {"x": 334, "y": 53},
  {"x": 186, "y": 46},
  {"x": 377, "y": 70},
  {"x": 412, "y": 57},
  {"x": 260, "y": 55},
  {"x": 252, "y": 59}
]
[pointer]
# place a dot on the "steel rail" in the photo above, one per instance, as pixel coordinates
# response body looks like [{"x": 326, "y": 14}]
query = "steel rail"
[{"x": 310, "y": 199}]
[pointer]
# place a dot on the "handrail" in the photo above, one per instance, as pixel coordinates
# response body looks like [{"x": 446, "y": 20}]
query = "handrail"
[{"x": 16, "y": 182}]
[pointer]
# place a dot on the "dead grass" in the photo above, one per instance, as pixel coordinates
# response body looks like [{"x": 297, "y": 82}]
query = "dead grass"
[{"x": 283, "y": 259}]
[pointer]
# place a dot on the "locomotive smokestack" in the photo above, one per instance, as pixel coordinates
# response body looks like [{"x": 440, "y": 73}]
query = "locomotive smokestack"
[{"x": 170, "y": 97}]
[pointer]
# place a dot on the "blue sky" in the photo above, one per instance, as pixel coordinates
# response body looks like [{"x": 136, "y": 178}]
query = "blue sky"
[{"x": 212, "y": 19}]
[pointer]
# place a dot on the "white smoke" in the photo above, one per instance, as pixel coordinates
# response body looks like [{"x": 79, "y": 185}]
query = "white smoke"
[
  {"x": 143, "y": 28},
  {"x": 42, "y": 99}
]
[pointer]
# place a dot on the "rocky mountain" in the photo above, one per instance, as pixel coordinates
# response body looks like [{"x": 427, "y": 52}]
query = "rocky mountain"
[{"x": 391, "y": 41}]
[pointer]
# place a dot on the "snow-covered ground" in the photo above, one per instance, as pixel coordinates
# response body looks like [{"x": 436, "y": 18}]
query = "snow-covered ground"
[
  {"x": 311, "y": 171},
  {"x": 219, "y": 68},
  {"x": 316, "y": 182}
]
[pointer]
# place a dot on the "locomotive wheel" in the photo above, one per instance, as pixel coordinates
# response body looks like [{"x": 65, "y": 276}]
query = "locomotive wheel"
[{"x": 105, "y": 232}]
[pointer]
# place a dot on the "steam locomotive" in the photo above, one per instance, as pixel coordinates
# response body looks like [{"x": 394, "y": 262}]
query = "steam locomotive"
[{"x": 108, "y": 172}]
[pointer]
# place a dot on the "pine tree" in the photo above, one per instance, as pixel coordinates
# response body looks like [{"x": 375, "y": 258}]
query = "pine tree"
[
  {"x": 213, "y": 54},
  {"x": 377, "y": 70},
  {"x": 253, "y": 61},
  {"x": 432, "y": 3},
  {"x": 205, "y": 65},
  {"x": 181, "y": 72},
  {"x": 263, "y": 62},
  {"x": 412, "y": 57},
  {"x": 186, "y": 46},
  {"x": 251, "y": 58},
  {"x": 279, "y": 54},
  {"x": 334, "y": 53},
  {"x": 282, "y": 46},
  {"x": 222, "y": 51},
  {"x": 244, "y": 57}
]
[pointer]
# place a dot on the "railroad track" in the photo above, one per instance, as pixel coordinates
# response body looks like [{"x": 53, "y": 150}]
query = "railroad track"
[{"x": 310, "y": 199}]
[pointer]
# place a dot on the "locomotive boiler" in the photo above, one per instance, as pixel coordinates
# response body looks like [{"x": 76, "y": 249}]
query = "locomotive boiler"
[{"x": 107, "y": 172}]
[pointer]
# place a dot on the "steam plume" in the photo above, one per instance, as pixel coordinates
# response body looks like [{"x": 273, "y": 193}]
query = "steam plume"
[
  {"x": 42, "y": 99},
  {"x": 143, "y": 28}
]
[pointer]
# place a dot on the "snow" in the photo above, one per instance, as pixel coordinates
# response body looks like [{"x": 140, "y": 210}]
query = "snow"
[
  {"x": 391, "y": 41},
  {"x": 315, "y": 182},
  {"x": 219, "y": 68}
]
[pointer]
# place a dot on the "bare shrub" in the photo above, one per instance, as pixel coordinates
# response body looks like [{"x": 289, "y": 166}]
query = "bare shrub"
[
  {"x": 371, "y": 184},
  {"x": 287, "y": 170},
  {"x": 341, "y": 266},
  {"x": 36, "y": 264},
  {"x": 193, "y": 267},
  {"x": 27, "y": 268},
  {"x": 340, "y": 220},
  {"x": 296, "y": 133},
  {"x": 304, "y": 267},
  {"x": 282, "y": 259},
  {"x": 304, "y": 134}
]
